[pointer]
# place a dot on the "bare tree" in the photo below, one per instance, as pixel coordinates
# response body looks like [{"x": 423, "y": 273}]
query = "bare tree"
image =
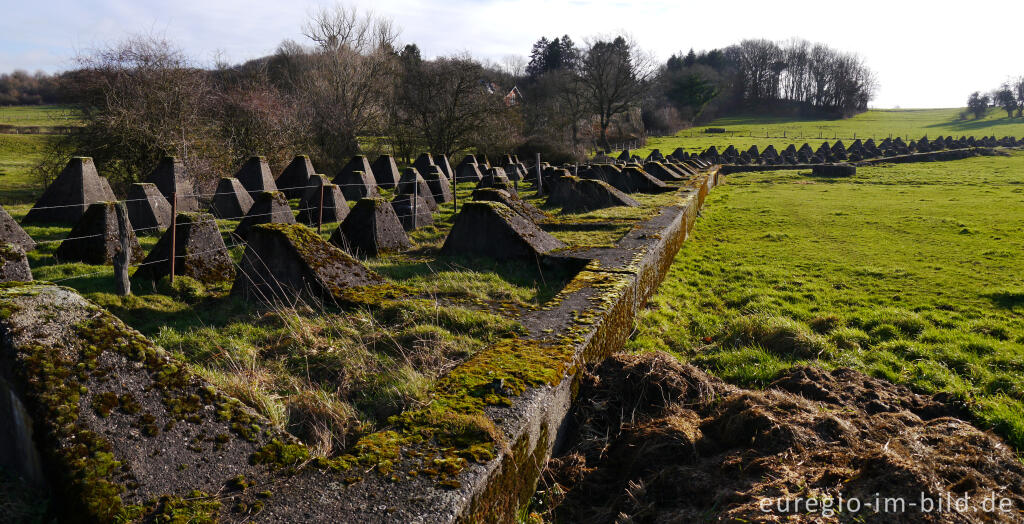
[
  {"x": 449, "y": 106},
  {"x": 613, "y": 74},
  {"x": 343, "y": 83},
  {"x": 514, "y": 65},
  {"x": 140, "y": 99}
]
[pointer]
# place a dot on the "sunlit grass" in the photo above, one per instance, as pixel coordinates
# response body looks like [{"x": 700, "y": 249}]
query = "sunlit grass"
[{"x": 909, "y": 272}]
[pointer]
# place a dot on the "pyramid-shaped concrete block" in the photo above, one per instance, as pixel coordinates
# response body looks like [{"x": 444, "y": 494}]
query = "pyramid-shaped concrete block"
[
  {"x": 334, "y": 209},
  {"x": 199, "y": 252},
  {"x": 71, "y": 193},
  {"x": 95, "y": 239},
  {"x": 661, "y": 172},
  {"x": 284, "y": 261},
  {"x": 412, "y": 182},
  {"x": 231, "y": 200},
  {"x": 267, "y": 207},
  {"x": 172, "y": 181},
  {"x": 294, "y": 179},
  {"x": 12, "y": 233},
  {"x": 513, "y": 202},
  {"x": 636, "y": 180},
  {"x": 356, "y": 179},
  {"x": 148, "y": 210},
  {"x": 495, "y": 178},
  {"x": 423, "y": 162},
  {"x": 440, "y": 185},
  {"x": 404, "y": 209},
  {"x": 255, "y": 175},
  {"x": 313, "y": 189},
  {"x": 13, "y": 264},
  {"x": 576, "y": 195},
  {"x": 441, "y": 161},
  {"x": 493, "y": 230},
  {"x": 385, "y": 171},
  {"x": 512, "y": 172},
  {"x": 468, "y": 172},
  {"x": 371, "y": 228}
]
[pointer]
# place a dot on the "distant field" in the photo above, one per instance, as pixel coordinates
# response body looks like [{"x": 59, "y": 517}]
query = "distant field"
[
  {"x": 745, "y": 131},
  {"x": 51, "y": 115},
  {"x": 908, "y": 272},
  {"x": 20, "y": 152},
  {"x": 18, "y": 155}
]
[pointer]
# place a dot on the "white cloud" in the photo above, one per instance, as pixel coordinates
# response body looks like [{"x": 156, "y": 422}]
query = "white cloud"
[{"x": 926, "y": 55}]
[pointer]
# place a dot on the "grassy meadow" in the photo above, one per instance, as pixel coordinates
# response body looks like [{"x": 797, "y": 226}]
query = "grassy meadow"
[
  {"x": 909, "y": 272},
  {"x": 21, "y": 152},
  {"x": 745, "y": 131}
]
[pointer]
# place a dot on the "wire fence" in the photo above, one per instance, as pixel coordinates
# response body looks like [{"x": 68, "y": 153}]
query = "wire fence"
[{"x": 312, "y": 215}]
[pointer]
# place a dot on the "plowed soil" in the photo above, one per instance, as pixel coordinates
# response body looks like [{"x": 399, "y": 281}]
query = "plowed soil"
[{"x": 660, "y": 441}]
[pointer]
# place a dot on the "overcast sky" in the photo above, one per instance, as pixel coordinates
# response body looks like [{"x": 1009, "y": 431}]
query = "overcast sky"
[{"x": 926, "y": 54}]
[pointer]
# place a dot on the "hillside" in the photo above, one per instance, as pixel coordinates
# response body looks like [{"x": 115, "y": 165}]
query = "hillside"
[{"x": 748, "y": 130}]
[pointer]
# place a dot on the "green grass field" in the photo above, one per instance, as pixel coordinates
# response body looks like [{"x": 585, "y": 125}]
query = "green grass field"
[
  {"x": 745, "y": 131},
  {"x": 42, "y": 115},
  {"x": 909, "y": 272},
  {"x": 20, "y": 153}
]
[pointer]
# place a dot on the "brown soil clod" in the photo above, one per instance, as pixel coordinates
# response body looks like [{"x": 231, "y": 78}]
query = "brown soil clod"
[{"x": 661, "y": 441}]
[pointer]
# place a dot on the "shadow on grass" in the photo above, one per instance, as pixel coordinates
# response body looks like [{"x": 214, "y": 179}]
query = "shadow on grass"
[
  {"x": 1007, "y": 298},
  {"x": 975, "y": 125},
  {"x": 546, "y": 277}
]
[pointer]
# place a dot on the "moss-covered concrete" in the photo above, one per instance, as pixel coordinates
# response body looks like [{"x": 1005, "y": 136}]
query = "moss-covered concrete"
[{"x": 472, "y": 452}]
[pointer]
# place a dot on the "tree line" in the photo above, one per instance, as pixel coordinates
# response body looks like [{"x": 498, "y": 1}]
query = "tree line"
[
  {"x": 1009, "y": 97},
  {"x": 24, "y": 88},
  {"x": 350, "y": 87},
  {"x": 626, "y": 94}
]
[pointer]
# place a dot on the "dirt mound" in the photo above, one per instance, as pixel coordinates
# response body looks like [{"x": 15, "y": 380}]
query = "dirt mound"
[{"x": 660, "y": 441}]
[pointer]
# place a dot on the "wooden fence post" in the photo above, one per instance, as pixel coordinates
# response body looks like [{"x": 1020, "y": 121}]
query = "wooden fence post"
[
  {"x": 174, "y": 230},
  {"x": 123, "y": 257},
  {"x": 540, "y": 177}
]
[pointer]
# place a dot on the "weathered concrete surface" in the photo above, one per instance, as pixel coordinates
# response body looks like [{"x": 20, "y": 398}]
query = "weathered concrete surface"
[
  {"x": 171, "y": 178},
  {"x": 255, "y": 175},
  {"x": 520, "y": 206},
  {"x": 67, "y": 198},
  {"x": 492, "y": 229},
  {"x": 148, "y": 210},
  {"x": 356, "y": 179},
  {"x": 95, "y": 239},
  {"x": 106, "y": 419},
  {"x": 295, "y": 177},
  {"x": 385, "y": 171},
  {"x": 12, "y": 233},
  {"x": 267, "y": 207},
  {"x": 285, "y": 261},
  {"x": 199, "y": 252},
  {"x": 371, "y": 228},
  {"x": 231, "y": 200},
  {"x": 14, "y": 264}
]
